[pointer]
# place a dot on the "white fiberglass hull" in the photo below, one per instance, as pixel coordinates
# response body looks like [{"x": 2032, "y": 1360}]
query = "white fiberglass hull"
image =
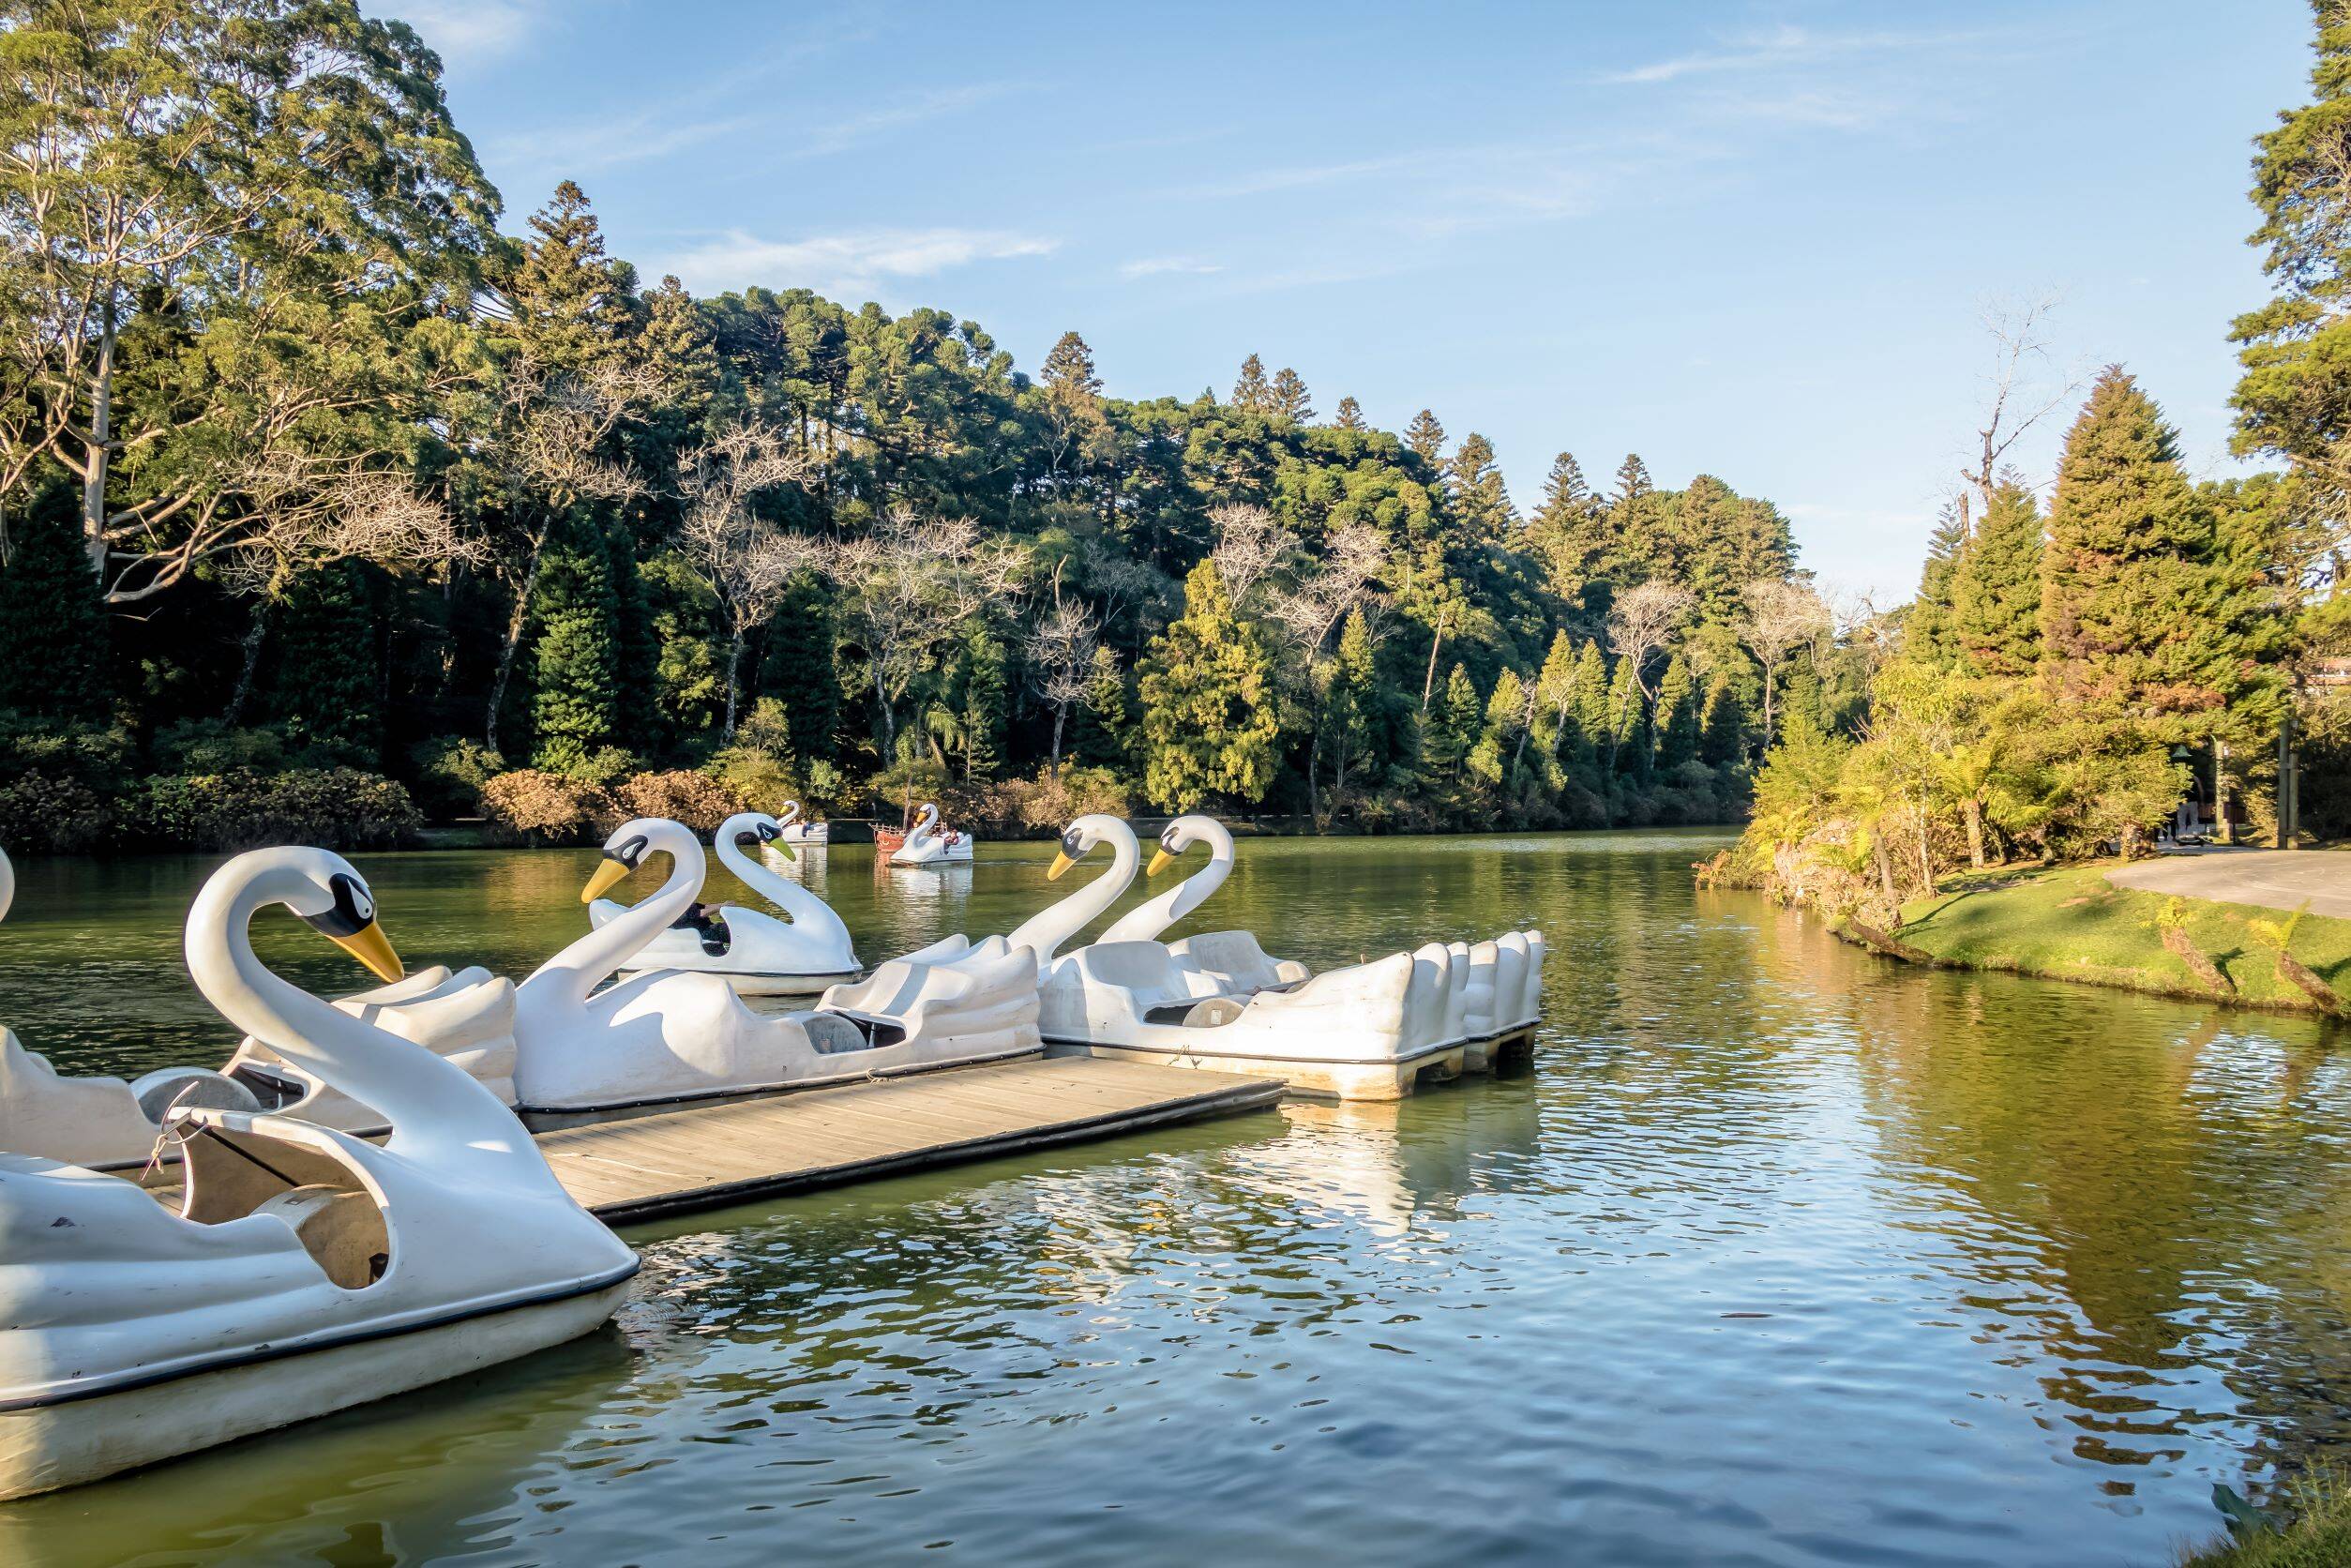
[
  {"x": 47, "y": 1446},
  {"x": 744, "y": 982},
  {"x": 1385, "y": 1078}
]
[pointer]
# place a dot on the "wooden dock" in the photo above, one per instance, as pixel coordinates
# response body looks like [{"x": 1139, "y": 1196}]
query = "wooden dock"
[{"x": 648, "y": 1167}]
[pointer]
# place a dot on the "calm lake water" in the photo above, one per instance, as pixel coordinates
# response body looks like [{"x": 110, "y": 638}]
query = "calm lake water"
[{"x": 1781, "y": 1254}]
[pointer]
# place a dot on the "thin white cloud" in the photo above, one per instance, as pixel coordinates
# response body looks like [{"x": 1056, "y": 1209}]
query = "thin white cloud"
[
  {"x": 850, "y": 266},
  {"x": 919, "y": 109},
  {"x": 567, "y": 151},
  {"x": 469, "y": 33},
  {"x": 1153, "y": 266},
  {"x": 1783, "y": 47}
]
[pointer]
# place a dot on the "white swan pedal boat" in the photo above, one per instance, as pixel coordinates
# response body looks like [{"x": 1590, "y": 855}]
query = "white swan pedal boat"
[
  {"x": 106, "y": 1123},
  {"x": 306, "y": 1270},
  {"x": 664, "y": 1038},
  {"x": 930, "y": 845},
  {"x": 753, "y": 951},
  {"x": 1216, "y": 1000}
]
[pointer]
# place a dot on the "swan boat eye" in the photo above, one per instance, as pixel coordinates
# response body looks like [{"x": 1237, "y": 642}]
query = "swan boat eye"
[
  {"x": 767, "y": 833},
  {"x": 353, "y": 910},
  {"x": 628, "y": 853}
]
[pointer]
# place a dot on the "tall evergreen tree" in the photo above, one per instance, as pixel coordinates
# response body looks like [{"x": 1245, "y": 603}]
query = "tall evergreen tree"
[
  {"x": 1289, "y": 398},
  {"x": 1251, "y": 390},
  {"x": 1479, "y": 498},
  {"x": 575, "y": 654},
  {"x": 1677, "y": 725},
  {"x": 1453, "y": 726},
  {"x": 1502, "y": 738},
  {"x": 329, "y": 684},
  {"x": 1349, "y": 705},
  {"x": 1633, "y": 481},
  {"x": 1592, "y": 687},
  {"x": 1926, "y": 629},
  {"x": 1628, "y": 743},
  {"x": 1208, "y": 703},
  {"x": 1352, "y": 416},
  {"x": 1068, "y": 371},
  {"x": 1425, "y": 438},
  {"x": 2135, "y": 626},
  {"x": 53, "y": 623},
  {"x": 571, "y": 304},
  {"x": 1996, "y": 587}
]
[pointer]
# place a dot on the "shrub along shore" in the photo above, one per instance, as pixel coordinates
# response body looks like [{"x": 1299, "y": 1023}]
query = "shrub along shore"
[{"x": 2071, "y": 923}]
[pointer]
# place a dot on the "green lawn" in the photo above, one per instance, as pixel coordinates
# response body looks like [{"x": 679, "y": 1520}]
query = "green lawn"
[
  {"x": 2319, "y": 1536},
  {"x": 2073, "y": 924}
]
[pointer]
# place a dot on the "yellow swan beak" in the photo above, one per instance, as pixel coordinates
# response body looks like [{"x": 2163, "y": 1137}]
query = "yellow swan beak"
[
  {"x": 1061, "y": 862},
  {"x": 1159, "y": 862},
  {"x": 787, "y": 851},
  {"x": 372, "y": 947},
  {"x": 608, "y": 876}
]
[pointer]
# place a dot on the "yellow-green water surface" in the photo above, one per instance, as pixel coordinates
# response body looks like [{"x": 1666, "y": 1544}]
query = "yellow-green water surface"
[{"x": 1781, "y": 1254}]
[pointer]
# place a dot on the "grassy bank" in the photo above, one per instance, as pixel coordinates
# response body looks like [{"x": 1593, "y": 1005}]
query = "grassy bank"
[
  {"x": 2318, "y": 1537},
  {"x": 2071, "y": 923}
]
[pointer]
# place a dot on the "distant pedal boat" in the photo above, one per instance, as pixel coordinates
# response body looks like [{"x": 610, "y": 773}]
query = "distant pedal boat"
[{"x": 753, "y": 951}]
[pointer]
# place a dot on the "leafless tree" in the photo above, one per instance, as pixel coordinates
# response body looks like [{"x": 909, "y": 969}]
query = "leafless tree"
[
  {"x": 1060, "y": 648},
  {"x": 545, "y": 449},
  {"x": 908, "y": 585},
  {"x": 2020, "y": 390},
  {"x": 747, "y": 560},
  {"x": 1322, "y": 595},
  {"x": 1779, "y": 617},
  {"x": 1643, "y": 620},
  {"x": 308, "y": 521},
  {"x": 1249, "y": 545}
]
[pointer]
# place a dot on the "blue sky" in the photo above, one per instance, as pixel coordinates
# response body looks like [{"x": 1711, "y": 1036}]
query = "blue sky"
[{"x": 1752, "y": 239}]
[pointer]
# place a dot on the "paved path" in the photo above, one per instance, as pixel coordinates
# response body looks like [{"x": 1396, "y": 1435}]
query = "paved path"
[{"x": 2279, "y": 879}]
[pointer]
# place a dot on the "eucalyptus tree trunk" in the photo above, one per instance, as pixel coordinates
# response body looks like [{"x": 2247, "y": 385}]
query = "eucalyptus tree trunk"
[
  {"x": 101, "y": 447},
  {"x": 516, "y": 622}
]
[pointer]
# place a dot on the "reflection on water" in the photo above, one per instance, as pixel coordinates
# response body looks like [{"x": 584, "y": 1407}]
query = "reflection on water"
[{"x": 1779, "y": 1255}]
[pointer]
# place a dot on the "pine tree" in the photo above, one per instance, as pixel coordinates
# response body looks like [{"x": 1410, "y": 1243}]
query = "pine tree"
[
  {"x": 572, "y": 304},
  {"x": 2138, "y": 622},
  {"x": 1927, "y": 638},
  {"x": 676, "y": 345},
  {"x": 1207, "y": 688},
  {"x": 1633, "y": 483},
  {"x": 329, "y": 684},
  {"x": 1103, "y": 737},
  {"x": 1628, "y": 745},
  {"x": 987, "y": 688},
  {"x": 1501, "y": 737},
  {"x": 1479, "y": 496},
  {"x": 1996, "y": 587},
  {"x": 1453, "y": 724},
  {"x": 1676, "y": 716},
  {"x": 637, "y": 649},
  {"x": 1289, "y": 398},
  {"x": 1251, "y": 391},
  {"x": 1352, "y": 416},
  {"x": 1555, "y": 696},
  {"x": 1425, "y": 438},
  {"x": 799, "y": 671},
  {"x": 1568, "y": 531},
  {"x": 1591, "y": 709},
  {"x": 1068, "y": 375},
  {"x": 2295, "y": 398},
  {"x": 1349, "y": 702},
  {"x": 575, "y": 656},
  {"x": 1722, "y": 725},
  {"x": 53, "y": 623}
]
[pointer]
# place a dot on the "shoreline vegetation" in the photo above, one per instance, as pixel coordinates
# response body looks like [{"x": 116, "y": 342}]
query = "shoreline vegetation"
[
  {"x": 320, "y": 530},
  {"x": 2069, "y": 923},
  {"x": 2126, "y": 648},
  {"x": 2313, "y": 1533}
]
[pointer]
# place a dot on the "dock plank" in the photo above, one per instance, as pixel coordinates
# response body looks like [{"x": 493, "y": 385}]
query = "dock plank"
[{"x": 649, "y": 1167}]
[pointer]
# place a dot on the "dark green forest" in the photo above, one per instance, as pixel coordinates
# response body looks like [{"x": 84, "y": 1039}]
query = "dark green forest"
[{"x": 332, "y": 509}]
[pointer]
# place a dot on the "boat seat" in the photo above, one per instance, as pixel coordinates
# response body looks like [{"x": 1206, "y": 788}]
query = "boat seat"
[
  {"x": 190, "y": 1089},
  {"x": 340, "y": 1228}
]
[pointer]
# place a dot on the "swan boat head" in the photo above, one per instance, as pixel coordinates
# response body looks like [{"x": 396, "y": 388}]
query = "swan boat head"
[{"x": 768, "y": 830}]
